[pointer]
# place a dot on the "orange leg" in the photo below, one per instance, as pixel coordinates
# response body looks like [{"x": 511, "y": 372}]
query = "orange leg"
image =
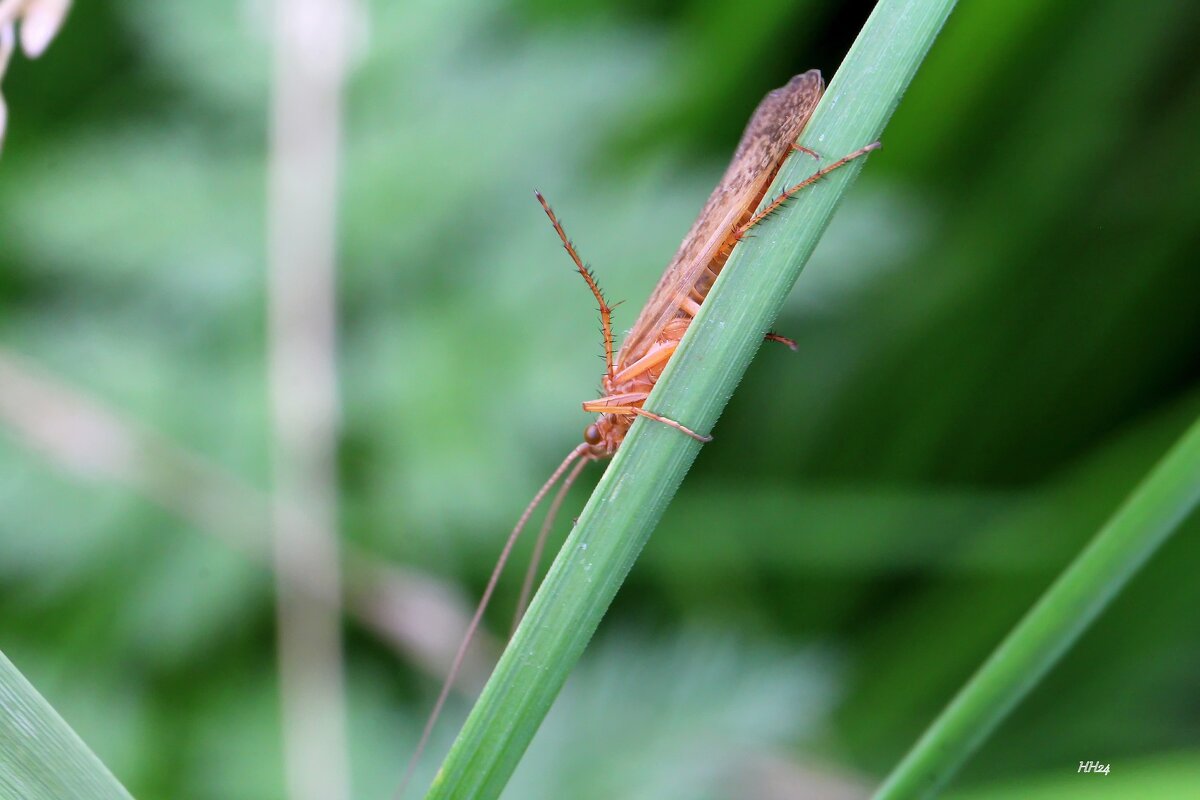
[
  {"x": 609, "y": 403},
  {"x": 809, "y": 181},
  {"x": 657, "y": 355},
  {"x": 641, "y": 412},
  {"x": 799, "y": 148},
  {"x": 625, "y": 408},
  {"x": 663, "y": 351},
  {"x": 775, "y": 337}
]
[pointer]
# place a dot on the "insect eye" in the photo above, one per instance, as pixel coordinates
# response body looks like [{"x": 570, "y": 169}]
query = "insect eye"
[{"x": 591, "y": 434}]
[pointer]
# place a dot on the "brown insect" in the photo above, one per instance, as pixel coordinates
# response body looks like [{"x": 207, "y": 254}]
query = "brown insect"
[{"x": 631, "y": 373}]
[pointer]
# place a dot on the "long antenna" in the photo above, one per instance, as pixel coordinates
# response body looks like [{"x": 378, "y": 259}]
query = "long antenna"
[
  {"x": 536, "y": 559},
  {"x": 456, "y": 665},
  {"x": 605, "y": 309}
]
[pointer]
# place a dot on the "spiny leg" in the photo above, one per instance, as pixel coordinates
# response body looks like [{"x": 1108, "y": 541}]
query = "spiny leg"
[
  {"x": 605, "y": 308},
  {"x": 783, "y": 198},
  {"x": 809, "y": 181}
]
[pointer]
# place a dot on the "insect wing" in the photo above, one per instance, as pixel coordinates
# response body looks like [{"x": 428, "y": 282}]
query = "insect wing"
[{"x": 764, "y": 146}]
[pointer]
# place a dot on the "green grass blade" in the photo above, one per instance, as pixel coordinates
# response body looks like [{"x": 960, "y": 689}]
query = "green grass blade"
[
  {"x": 41, "y": 758},
  {"x": 1156, "y": 508},
  {"x": 635, "y": 490}
]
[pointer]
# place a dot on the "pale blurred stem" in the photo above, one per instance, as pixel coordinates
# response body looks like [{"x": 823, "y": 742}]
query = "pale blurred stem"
[
  {"x": 310, "y": 40},
  {"x": 419, "y": 617}
]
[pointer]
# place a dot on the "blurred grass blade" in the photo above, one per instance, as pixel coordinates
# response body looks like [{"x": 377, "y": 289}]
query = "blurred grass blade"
[
  {"x": 1155, "y": 509},
  {"x": 41, "y": 758},
  {"x": 631, "y": 497}
]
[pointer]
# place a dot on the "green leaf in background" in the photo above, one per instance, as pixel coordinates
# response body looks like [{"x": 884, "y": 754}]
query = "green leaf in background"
[{"x": 1155, "y": 510}]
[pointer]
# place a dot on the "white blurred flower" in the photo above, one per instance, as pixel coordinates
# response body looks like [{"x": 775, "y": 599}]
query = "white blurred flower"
[
  {"x": 6, "y": 48},
  {"x": 39, "y": 22},
  {"x": 6, "y": 43}
]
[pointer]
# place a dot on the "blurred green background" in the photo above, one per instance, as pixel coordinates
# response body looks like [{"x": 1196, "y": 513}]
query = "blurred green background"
[{"x": 999, "y": 335}]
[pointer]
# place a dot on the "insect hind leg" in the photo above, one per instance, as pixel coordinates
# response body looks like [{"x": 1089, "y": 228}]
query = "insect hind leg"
[
  {"x": 791, "y": 192},
  {"x": 783, "y": 340},
  {"x": 799, "y": 148}
]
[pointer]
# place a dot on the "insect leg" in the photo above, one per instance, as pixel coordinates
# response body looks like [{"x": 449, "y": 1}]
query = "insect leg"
[
  {"x": 799, "y": 148},
  {"x": 605, "y": 308},
  {"x": 659, "y": 354},
  {"x": 787, "y": 194},
  {"x": 641, "y": 412},
  {"x": 775, "y": 337},
  {"x": 628, "y": 404}
]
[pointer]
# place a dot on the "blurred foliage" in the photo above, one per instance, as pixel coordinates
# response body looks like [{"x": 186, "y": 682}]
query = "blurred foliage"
[{"x": 999, "y": 336}]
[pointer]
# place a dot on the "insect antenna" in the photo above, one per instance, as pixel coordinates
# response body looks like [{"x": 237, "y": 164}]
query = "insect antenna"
[
  {"x": 459, "y": 657},
  {"x": 605, "y": 308},
  {"x": 536, "y": 559}
]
